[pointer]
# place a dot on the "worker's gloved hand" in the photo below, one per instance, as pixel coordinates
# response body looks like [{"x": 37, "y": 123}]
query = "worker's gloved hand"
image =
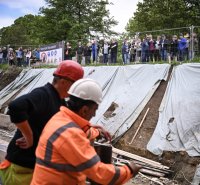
[
  {"x": 134, "y": 168},
  {"x": 103, "y": 133}
]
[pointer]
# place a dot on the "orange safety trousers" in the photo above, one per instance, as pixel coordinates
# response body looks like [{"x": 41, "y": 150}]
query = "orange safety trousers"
[{"x": 64, "y": 155}]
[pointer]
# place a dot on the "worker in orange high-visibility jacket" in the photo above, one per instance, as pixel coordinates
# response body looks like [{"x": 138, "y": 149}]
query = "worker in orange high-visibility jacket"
[
  {"x": 64, "y": 154},
  {"x": 30, "y": 113}
]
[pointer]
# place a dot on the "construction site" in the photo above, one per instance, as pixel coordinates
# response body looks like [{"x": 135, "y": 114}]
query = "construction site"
[{"x": 151, "y": 110}]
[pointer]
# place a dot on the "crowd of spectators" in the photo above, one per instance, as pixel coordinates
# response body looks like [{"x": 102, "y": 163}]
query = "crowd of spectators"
[
  {"x": 93, "y": 52},
  {"x": 19, "y": 57},
  {"x": 147, "y": 49},
  {"x": 174, "y": 48}
]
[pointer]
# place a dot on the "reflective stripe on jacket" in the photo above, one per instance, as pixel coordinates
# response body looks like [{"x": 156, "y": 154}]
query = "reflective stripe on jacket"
[{"x": 65, "y": 156}]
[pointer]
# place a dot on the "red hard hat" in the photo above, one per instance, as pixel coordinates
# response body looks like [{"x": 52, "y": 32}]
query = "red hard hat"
[{"x": 69, "y": 69}]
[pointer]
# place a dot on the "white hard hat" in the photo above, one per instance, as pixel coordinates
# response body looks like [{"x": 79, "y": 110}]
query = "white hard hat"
[{"x": 86, "y": 89}]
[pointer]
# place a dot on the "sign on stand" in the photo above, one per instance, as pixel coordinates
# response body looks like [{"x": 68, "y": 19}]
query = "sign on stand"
[{"x": 52, "y": 54}]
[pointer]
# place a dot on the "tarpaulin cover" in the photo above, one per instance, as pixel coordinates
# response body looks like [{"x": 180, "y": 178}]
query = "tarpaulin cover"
[
  {"x": 25, "y": 77},
  {"x": 125, "y": 88},
  {"x": 124, "y": 92},
  {"x": 178, "y": 127}
]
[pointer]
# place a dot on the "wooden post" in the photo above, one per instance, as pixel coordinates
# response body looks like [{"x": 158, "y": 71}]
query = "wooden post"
[{"x": 139, "y": 127}]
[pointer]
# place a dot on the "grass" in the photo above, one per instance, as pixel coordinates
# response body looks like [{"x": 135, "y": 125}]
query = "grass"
[
  {"x": 119, "y": 63},
  {"x": 43, "y": 66},
  {"x": 4, "y": 66}
]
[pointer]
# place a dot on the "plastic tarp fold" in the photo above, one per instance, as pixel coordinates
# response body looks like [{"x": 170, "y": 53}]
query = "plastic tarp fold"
[
  {"x": 124, "y": 93},
  {"x": 24, "y": 78},
  {"x": 178, "y": 127},
  {"x": 125, "y": 89},
  {"x": 44, "y": 76}
]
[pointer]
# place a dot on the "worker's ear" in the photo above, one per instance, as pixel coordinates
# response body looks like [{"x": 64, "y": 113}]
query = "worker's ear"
[
  {"x": 62, "y": 81},
  {"x": 83, "y": 112}
]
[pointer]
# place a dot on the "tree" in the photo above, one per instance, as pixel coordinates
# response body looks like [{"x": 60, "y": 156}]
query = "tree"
[
  {"x": 193, "y": 6},
  {"x": 76, "y": 19},
  {"x": 61, "y": 20},
  {"x": 159, "y": 14},
  {"x": 24, "y": 31}
]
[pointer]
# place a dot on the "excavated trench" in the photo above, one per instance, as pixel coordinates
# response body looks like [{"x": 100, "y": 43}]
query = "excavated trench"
[{"x": 183, "y": 165}]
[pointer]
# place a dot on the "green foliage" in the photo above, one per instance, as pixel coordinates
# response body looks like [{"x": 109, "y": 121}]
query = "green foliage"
[
  {"x": 159, "y": 14},
  {"x": 24, "y": 31},
  {"x": 60, "y": 20},
  {"x": 4, "y": 67},
  {"x": 75, "y": 19}
]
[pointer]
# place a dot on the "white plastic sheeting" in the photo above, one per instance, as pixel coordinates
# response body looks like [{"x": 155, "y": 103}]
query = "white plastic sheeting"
[
  {"x": 102, "y": 74},
  {"x": 25, "y": 77},
  {"x": 125, "y": 89},
  {"x": 196, "y": 179},
  {"x": 43, "y": 76},
  {"x": 178, "y": 127}
]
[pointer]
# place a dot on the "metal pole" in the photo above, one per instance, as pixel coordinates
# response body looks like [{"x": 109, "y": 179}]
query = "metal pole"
[
  {"x": 63, "y": 49},
  {"x": 8, "y": 46},
  {"x": 192, "y": 42}
]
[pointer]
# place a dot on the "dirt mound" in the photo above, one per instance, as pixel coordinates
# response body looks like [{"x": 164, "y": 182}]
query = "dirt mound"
[{"x": 8, "y": 75}]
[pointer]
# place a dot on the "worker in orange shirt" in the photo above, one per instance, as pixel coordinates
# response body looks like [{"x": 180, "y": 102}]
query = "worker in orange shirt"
[{"x": 64, "y": 154}]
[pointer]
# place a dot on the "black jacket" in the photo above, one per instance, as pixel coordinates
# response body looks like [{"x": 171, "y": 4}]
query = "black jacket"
[
  {"x": 174, "y": 46},
  {"x": 87, "y": 51},
  {"x": 37, "y": 107},
  {"x": 114, "y": 47}
]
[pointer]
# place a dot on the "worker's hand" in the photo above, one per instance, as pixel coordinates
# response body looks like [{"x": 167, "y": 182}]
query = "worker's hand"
[
  {"x": 103, "y": 133},
  {"x": 27, "y": 140},
  {"x": 24, "y": 143},
  {"x": 134, "y": 168}
]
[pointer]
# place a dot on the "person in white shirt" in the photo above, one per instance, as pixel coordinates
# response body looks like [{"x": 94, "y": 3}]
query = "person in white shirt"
[
  {"x": 28, "y": 56},
  {"x": 105, "y": 51}
]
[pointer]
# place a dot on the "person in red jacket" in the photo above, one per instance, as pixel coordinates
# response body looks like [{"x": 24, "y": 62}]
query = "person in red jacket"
[{"x": 64, "y": 154}]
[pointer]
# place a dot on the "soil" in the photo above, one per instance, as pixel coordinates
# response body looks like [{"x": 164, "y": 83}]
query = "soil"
[
  {"x": 184, "y": 166},
  {"x": 9, "y": 75}
]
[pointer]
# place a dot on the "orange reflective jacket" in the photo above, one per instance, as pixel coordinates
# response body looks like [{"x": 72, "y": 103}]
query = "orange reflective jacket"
[{"x": 64, "y": 155}]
